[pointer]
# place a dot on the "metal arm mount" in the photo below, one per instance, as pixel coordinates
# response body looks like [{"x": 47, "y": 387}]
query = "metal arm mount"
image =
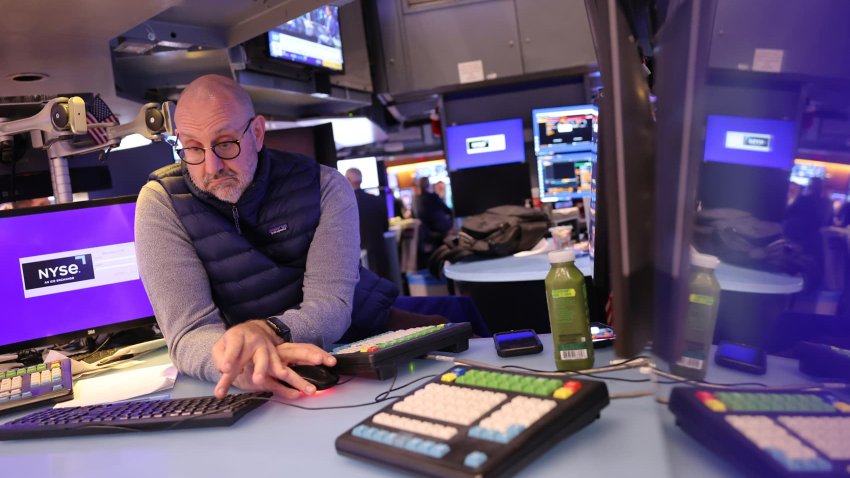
[{"x": 53, "y": 128}]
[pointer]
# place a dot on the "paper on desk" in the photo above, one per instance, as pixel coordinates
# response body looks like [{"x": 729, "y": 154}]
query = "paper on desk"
[
  {"x": 539, "y": 248},
  {"x": 123, "y": 385}
]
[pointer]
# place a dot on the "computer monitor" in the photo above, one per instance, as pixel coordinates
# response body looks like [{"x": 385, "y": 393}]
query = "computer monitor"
[
  {"x": 368, "y": 167},
  {"x": 759, "y": 142},
  {"x": 478, "y": 189},
  {"x": 69, "y": 271},
  {"x": 802, "y": 173},
  {"x": 312, "y": 39},
  {"x": 491, "y": 143},
  {"x": 565, "y": 129},
  {"x": 626, "y": 226},
  {"x": 681, "y": 75},
  {"x": 564, "y": 177}
]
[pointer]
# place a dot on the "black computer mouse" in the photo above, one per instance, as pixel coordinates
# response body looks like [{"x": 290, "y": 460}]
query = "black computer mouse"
[{"x": 320, "y": 376}]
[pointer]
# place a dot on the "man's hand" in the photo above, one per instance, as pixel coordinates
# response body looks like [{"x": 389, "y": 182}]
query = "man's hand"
[
  {"x": 248, "y": 356},
  {"x": 247, "y": 352}
]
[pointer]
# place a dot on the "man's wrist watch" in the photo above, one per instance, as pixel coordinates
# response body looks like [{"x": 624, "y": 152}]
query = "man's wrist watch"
[{"x": 280, "y": 329}]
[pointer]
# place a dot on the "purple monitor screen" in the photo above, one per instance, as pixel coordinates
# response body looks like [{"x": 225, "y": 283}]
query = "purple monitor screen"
[
  {"x": 750, "y": 141},
  {"x": 68, "y": 270},
  {"x": 484, "y": 144}
]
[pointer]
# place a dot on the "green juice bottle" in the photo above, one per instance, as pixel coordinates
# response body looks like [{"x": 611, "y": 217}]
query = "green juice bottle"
[
  {"x": 566, "y": 297},
  {"x": 703, "y": 302}
]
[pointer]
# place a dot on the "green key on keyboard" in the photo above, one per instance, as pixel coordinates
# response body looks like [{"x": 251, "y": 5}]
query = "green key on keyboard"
[
  {"x": 773, "y": 402},
  {"x": 510, "y": 382}
]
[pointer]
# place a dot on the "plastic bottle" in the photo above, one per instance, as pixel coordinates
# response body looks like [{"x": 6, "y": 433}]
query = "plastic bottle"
[
  {"x": 566, "y": 297},
  {"x": 703, "y": 302}
]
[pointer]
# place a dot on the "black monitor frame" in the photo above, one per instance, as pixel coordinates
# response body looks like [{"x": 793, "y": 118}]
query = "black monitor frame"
[
  {"x": 626, "y": 159},
  {"x": 259, "y": 58}
]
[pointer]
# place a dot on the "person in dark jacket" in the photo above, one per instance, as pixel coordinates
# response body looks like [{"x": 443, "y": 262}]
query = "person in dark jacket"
[
  {"x": 436, "y": 220},
  {"x": 803, "y": 221},
  {"x": 373, "y": 224}
]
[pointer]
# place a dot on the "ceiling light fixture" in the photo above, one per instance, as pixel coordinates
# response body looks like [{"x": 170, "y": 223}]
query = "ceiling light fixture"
[{"x": 28, "y": 77}]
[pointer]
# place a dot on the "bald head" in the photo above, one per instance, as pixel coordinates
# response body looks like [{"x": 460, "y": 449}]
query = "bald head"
[
  {"x": 209, "y": 91},
  {"x": 355, "y": 177},
  {"x": 214, "y": 110}
]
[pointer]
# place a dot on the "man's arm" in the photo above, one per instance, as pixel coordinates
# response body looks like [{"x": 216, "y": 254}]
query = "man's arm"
[
  {"x": 177, "y": 284},
  {"x": 332, "y": 267}
]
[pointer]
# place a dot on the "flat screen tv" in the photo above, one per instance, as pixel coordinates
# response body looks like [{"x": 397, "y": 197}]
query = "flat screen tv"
[
  {"x": 484, "y": 144},
  {"x": 312, "y": 39},
  {"x": 368, "y": 167},
  {"x": 565, "y": 129},
  {"x": 760, "y": 142}
]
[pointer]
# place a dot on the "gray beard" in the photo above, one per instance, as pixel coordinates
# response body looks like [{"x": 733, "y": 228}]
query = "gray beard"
[{"x": 229, "y": 193}]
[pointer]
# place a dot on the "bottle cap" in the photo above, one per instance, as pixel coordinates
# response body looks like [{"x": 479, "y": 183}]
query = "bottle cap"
[
  {"x": 563, "y": 255},
  {"x": 704, "y": 260}
]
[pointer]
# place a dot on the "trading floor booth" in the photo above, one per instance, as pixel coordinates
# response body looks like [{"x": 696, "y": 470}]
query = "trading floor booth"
[{"x": 681, "y": 132}]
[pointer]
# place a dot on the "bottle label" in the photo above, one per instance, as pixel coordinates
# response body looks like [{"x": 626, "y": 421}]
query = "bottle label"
[
  {"x": 701, "y": 299},
  {"x": 574, "y": 354},
  {"x": 573, "y": 351},
  {"x": 563, "y": 293},
  {"x": 690, "y": 362},
  {"x": 693, "y": 356}
]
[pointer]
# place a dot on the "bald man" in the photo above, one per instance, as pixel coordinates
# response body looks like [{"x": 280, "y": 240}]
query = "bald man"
[
  {"x": 373, "y": 224},
  {"x": 250, "y": 256}
]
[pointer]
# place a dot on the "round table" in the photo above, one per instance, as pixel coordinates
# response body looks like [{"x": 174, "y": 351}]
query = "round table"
[{"x": 510, "y": 294}]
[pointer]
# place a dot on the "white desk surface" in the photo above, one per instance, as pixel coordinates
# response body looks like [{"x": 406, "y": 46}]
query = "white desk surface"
[
  {"x": 634, "y": 437},
  {"x": 534, "y": 268}
]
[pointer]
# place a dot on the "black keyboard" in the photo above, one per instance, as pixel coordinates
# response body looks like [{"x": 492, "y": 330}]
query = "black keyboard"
[
  {"x": 138, "y": 415},
  {"x": 379, "y": 356},
  {"x": 769, "y": 433},
  {"x": 475, "y": 422}
]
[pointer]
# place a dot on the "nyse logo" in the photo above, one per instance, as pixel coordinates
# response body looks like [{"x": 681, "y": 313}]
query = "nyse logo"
[
  {"x": 61, "y": 270},
  {"x": 486, "y": 144},
  {"x": 758, "y": 141}
]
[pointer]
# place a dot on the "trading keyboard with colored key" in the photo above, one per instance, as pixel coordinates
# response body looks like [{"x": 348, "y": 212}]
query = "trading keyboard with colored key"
[
  {"x": 769, "y": 433},
  {"x": 379, "y": 356},
  {"x": 26, "y": 386},
  {"x": 475, "y": 422}
]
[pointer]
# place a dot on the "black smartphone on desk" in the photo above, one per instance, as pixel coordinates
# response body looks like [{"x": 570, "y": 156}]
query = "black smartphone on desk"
[
  {"x": 745, "y": 358},
  {"x": 517, "y": 342}
]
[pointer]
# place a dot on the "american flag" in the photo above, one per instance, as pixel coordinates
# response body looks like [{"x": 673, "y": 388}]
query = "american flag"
[{"x": 98, "y": 112}]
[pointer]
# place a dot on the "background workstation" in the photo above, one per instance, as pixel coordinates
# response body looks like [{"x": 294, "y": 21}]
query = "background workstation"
[{"x": 417, "y": 73}]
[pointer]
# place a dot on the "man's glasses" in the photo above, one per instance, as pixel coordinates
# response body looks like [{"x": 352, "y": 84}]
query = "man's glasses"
[{"x": 224, "y": 150}]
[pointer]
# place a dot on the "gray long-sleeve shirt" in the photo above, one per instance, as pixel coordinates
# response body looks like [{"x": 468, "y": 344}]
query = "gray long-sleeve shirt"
[{"x": 179, "y": 290}]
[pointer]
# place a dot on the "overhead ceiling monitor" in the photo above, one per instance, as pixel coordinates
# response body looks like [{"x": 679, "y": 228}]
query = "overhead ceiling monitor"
[
  {"x": 565, "y": 129},
  {"x": 312, "y": 39},
  {"x": 485, "y": 144}
]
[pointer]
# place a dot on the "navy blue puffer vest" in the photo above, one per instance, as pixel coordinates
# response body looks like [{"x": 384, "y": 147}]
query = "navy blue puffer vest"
[{"x": 255, "y": 251}]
